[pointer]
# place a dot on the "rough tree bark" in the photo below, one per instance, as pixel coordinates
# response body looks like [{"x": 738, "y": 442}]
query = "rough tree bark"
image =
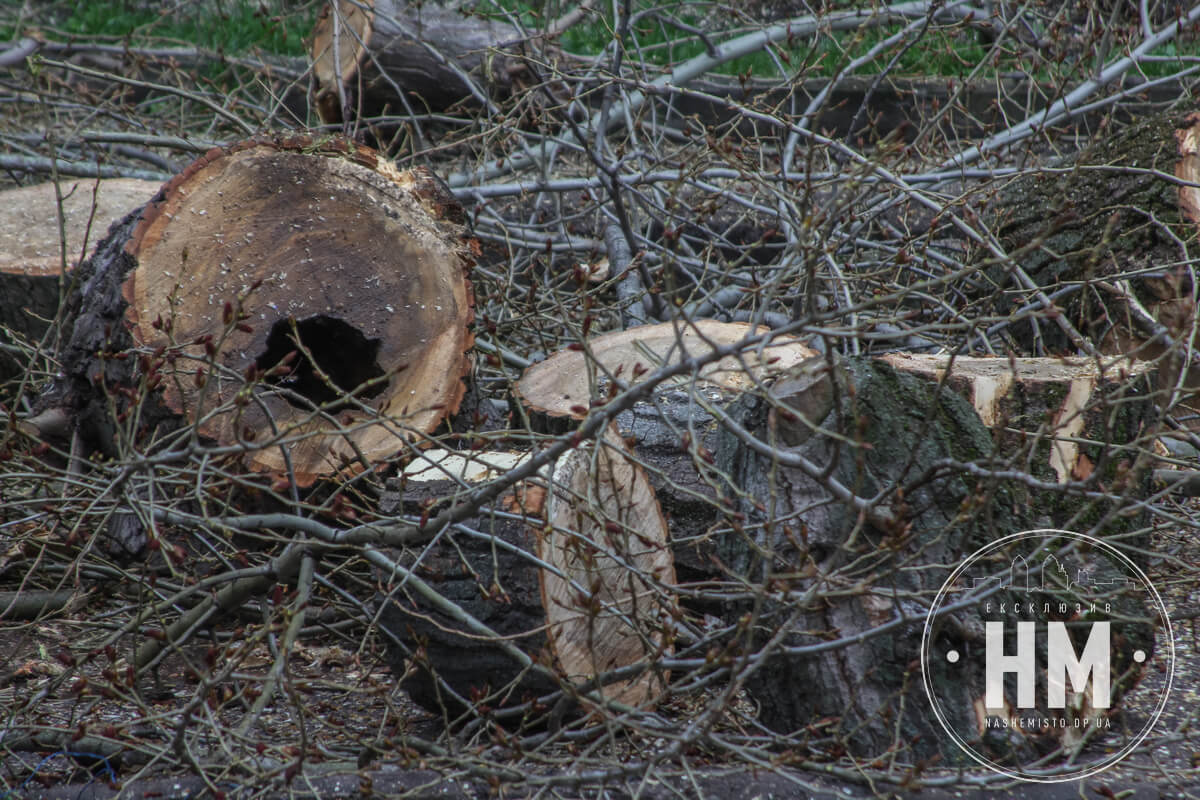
[
  {"x": 1056, "y": 415},
  {"x": 877, "y": 426},
  {"x": 1117, "y": 222},
  {"x": 878, "y": 430},
  {"x": 573, "y": 568},
  {"x": 299, "y": 291}
]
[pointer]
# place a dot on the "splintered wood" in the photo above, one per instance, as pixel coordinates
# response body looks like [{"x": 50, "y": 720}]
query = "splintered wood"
[{"x": 1059, "y": 402}]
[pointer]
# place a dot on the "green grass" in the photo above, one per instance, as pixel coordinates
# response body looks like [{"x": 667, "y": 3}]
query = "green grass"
[
  {"x": 227, "y": 26},
  {"x": 943, "y": 51},
  {"x": 280, "y": 26},
  {"x": 657, "y": 41}
]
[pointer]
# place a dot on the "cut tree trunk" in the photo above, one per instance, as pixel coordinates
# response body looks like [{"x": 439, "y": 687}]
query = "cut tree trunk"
[
  {"x": 1064, "y": 417},
  {"x": 898, "y": 434},
  {"x": 673, "y": 433},
  {"x": 572, "y": 568},
  {"x": 372, "y": 57},
  {"x": 896, "y": 427},
  {"x": 295, "y": 294},
  {"x": 33, "y": 260}
]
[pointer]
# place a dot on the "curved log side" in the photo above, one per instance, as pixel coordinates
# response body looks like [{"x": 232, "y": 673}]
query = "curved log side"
[
  {"x": 574, "y": 570},
  {"x": 388, "y": 54}
]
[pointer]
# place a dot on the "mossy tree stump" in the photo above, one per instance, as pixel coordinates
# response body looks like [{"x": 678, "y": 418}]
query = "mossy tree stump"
[{"x": 866, "y": 483}]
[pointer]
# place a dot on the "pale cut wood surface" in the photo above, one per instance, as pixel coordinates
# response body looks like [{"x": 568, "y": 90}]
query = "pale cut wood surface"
[
  {"x": 565, "y": 383},
  {"x": 606, "y": 533},
  {"x": 32, "y": 256},
  {"x": 29, "y": 233},
  {"x": 578, "y": 572},
  {"x": 1061, "y": 397}
]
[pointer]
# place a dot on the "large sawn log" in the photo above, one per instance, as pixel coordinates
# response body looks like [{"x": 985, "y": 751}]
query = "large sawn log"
[
  {"x": 298, "y": 299},
  {"x": 908, "y": 481}
]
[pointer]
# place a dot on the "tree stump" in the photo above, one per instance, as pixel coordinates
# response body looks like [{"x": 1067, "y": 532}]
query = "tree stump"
[
  {"x": 673, "y": 434},
  {"x": 899, "y": 427},
  {"x": 572, "y": 568},
  {"x": 884, "y": 429},
  {"x": 299, "y": 298},
  {"x": 369, "y": 57},
  {"x": 32, "y": 259}
]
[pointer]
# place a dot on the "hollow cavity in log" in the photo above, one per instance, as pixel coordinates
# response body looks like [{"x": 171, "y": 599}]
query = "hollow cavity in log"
[{"x": 300, "y": 292}]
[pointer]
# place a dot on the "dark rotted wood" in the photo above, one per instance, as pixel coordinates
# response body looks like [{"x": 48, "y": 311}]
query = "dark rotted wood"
[
  {"x": 883, "y": 434},
  {"x": 251, "y": 247},
  {"x": 543, "y": 569}
]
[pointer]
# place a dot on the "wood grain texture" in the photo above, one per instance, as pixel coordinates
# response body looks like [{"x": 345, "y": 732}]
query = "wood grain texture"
[
  {"x": 573, "y": 567},
  {"x": 317, "y": 238},
  {"x": 606, "y": 535},
  {"x": 32, "y": 257}
]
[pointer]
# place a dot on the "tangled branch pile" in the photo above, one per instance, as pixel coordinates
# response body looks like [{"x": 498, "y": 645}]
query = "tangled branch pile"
[{"x": 751, "y": 364}]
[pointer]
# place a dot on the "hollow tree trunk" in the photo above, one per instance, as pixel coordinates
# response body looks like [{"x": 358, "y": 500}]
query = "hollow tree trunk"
[
  {"x": 32, "y": 255},
  {"x": 299, "y": 299},
  {"x": 572, "y": 568},
  {"x": 370, "y": 57}
]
